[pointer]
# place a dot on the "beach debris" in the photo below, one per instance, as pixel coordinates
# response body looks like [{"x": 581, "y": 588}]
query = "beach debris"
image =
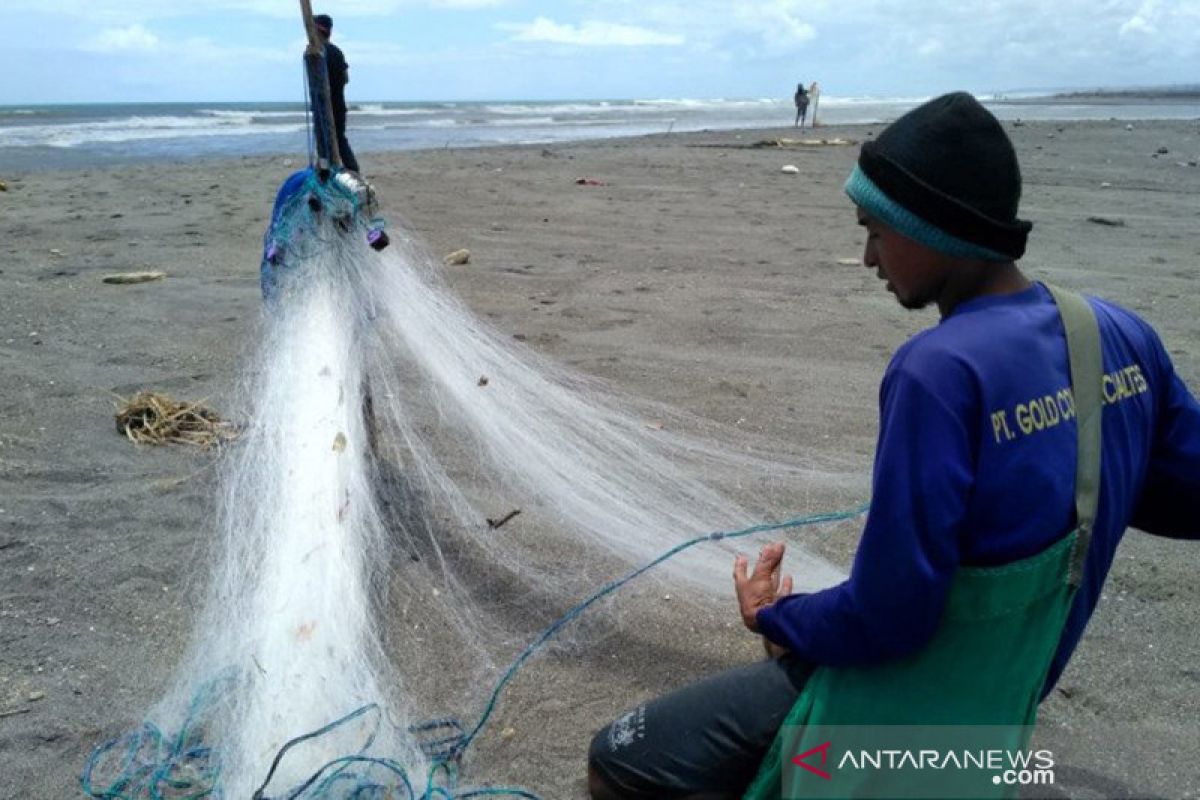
[
  {"x": 790, "y": 169},
  {"x": 1018, "y": 123},
  {"x": 12, "y": 712},
  {"x": 1111, "y": 222},
  {"x": 457, "y": 258},
  {"x": 1162, "y": 151},
  {"x": 784, "y": 142},
  {"x": 589, "y": 182},
  {"x": 483, "y": 380},
  {"x": 168, "y": 484},
  {"x": 849, "y": 262},
  {"x": 123, "y": 278},
  {"x": 3, "y": 186},
  {"x": 54, "y": 251},
  {"x": 339, "y": 443},
  {"x": 1129, "y": 127},
  {"x": 36, "y": 696},
  {"x": 496, "y": 524},
  {"x": 1105, "y": 184},
  {"x": 154, "y": 418}
]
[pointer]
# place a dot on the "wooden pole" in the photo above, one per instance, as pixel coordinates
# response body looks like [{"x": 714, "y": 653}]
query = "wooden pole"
[{"x": 318, "y": 88}]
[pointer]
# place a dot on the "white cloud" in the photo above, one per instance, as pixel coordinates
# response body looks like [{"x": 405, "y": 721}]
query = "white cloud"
[
  {"x": 466, "y": 3},
  {"x": 1136, "y": 25},
  {"x": 1140, "y": 22},
  {"x": 114, "y": 12},
  {"x": 776, "y": 21},
  {"x": 133, "y": 38},
  {"x": 591, "y": 33},
  {"x": 930, "y": 48}
]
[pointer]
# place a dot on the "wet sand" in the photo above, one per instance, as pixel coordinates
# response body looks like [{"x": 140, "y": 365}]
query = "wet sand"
[{"x": 697, "y": 274}]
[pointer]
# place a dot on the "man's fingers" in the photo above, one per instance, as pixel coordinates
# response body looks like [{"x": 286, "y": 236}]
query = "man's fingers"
[
  {"x": 785, "y": 588},
  {"x": 739, "y": 569},
  {"x": 768, "y": 560}
]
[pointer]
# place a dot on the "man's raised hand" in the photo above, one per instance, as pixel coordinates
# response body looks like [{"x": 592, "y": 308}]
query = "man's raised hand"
[{"x": 762, "y": 587}]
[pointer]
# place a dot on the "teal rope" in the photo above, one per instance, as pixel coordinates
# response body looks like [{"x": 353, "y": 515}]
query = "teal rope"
[
  {"x": 574, "y": 613},
  {"x": 151, "y": 765}
]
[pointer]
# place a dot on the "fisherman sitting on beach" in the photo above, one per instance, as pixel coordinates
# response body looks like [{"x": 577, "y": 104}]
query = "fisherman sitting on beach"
[{"x": 1018, "y": 439}]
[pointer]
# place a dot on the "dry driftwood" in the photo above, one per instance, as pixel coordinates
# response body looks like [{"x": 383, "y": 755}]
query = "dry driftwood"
[
  {"x": 134, "y": 277},
  {"x": 791, "y": 143},
  {"x": 153, "y": 418}
]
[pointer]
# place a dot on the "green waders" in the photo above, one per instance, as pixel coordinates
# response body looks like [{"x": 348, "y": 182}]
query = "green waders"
[{"x": 986, "y": 664}]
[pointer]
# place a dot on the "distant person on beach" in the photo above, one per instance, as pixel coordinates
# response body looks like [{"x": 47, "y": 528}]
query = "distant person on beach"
[
  {"x": 801, "y": 100},
  {"x": 339, "y": 75},
  {"x": 1018, "y": 439}
]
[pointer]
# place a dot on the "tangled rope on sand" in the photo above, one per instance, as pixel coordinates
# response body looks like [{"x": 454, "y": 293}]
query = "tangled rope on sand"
[{"x": 153, "y": 418}]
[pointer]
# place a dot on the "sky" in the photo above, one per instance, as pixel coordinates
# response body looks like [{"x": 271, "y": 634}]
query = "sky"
[{"x": 73, "y": 51}]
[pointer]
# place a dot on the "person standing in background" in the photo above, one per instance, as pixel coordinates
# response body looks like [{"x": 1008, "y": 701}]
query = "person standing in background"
[
  {"x": 339, "y": 76},
  {"x": 801, "y": 104}
]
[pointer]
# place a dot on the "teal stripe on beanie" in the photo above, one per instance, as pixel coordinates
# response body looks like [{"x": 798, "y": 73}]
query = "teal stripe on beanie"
[{"x": 865, "y": 193}]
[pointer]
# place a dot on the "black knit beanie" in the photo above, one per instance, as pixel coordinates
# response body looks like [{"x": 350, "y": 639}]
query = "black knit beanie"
[{"x": 946, "y": 175}]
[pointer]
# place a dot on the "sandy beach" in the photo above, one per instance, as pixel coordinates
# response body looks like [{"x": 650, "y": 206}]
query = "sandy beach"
[{"x": 694, "y": 273}]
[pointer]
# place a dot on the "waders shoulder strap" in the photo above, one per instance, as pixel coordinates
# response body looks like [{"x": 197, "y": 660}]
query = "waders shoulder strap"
[{"x": 1087, "y": 369}]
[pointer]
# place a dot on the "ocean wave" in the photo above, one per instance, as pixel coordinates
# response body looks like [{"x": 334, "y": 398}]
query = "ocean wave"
[
  {"x": 516, "y": 123},
  {"x": 856, "y": 100},
  {"x": 441, "y": 122},
  {"x": 379, "y": 110},
  {"x": 246, "y": 116},
  {"x": 718, "y": 103},
  {"x": 133, "y": 129}
]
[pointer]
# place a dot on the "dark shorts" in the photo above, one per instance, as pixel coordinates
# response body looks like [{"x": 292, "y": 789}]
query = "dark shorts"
[{"x": 708, "y": 737}]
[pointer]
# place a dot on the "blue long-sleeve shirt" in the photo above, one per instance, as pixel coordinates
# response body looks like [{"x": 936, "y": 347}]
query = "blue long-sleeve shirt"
[{"x": 975, "y": 465}]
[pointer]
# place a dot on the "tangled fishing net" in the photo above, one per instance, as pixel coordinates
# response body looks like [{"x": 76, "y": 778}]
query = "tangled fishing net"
[{"x": 369, "y": 575}]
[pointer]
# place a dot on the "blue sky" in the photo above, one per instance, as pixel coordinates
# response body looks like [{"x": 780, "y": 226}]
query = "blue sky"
[{"x": 231, "y": 50}]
